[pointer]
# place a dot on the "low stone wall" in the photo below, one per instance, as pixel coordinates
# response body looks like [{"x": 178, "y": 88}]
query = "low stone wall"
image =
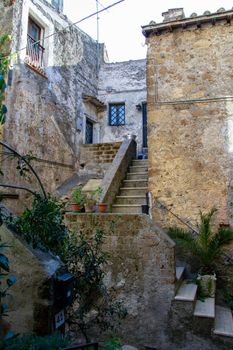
[
  {"x": 140, "y": 272},
  {"x": 116, "y": 174},
  {"x": 30, "y": 299}
]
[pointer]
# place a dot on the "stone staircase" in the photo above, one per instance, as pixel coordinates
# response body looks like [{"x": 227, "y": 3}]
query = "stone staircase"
[
  {"x": 132, "y": 194},
  {"x": 203, "y": 317}
]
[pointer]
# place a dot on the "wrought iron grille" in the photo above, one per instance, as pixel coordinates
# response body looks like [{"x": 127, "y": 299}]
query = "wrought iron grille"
[
  {"x": 117, "y": 114},
  {"x": 35, "y": 53}
]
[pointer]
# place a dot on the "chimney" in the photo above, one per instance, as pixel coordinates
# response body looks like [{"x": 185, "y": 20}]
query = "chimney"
[{"x": 173, "y": 15}]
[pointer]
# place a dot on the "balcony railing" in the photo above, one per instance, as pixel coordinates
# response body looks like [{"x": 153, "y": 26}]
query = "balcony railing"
[{"x": 35, "y": 55}]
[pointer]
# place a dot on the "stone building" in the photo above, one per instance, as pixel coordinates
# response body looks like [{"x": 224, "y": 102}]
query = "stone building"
[
  {"x": 190, "y": 106},
  {"x": 62, "y": 93}
]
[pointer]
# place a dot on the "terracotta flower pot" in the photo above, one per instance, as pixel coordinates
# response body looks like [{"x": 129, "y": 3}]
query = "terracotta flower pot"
[
  {"x": 75, "y": 207},
  {"x": 102, "y": 207}
]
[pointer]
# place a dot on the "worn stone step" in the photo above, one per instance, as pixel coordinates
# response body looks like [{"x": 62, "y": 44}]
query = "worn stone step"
[
  {"x": 133, "y": 191},
  {"x": 186, "y": 292},
  {"x": 131, "y": 200},
  {"x": 223, "y": 324},
  {"x": 137, "y": 176},
  {"x": 135, "y": 183},
  {"x": 179, "y": 272},
  {"x": 140, "y": 162},
  {"x": 205, "y": 308},
  {"x": 138, "y": 169},
  {"x": 127, "y": 209}
]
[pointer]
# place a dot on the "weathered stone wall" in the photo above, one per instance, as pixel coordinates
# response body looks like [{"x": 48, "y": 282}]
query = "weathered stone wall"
[
  {"x": 123, "y": 82},
  {"x": 190, "y": 115},
  {"x": 47, "y": 115},
  {"x": 30, "y": 298},
  {"x": 140, "y": 272}
]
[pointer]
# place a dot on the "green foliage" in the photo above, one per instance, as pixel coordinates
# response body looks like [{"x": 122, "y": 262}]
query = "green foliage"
[
  {"x": 6, "y": 282},
  {"x": 112, "y": 343},
  {"x": 4, "y": 62},
  {"x": 86, "y": 259},
  {"x": 42, "y": 226},
  {"x": 78, "y": 196},
  {"x": 33, "y": 342},
  {"x": 207, "y": 246},
  {"x": 228, "y": 298},
  {"x": 98, "y": 193}
]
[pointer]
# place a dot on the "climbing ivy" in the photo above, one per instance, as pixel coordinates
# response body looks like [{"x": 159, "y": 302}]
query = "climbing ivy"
[{"x": 4, "y": 63}]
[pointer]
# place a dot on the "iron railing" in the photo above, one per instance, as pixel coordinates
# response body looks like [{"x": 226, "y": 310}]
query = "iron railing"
[{"x": 35, "y": 53}]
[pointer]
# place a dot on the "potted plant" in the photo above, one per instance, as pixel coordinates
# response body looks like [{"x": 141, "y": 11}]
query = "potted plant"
[
  {"x": 207, "y": 246},
  {"x": 78, "y": 199},
  {"x": 102, "y": 207}
]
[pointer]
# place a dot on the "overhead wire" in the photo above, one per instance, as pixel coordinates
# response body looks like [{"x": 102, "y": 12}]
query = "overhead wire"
[{"x": 65, "y": 28}]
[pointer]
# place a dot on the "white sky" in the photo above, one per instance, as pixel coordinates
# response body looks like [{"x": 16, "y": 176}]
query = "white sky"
[{"x": 120, "y": 27}]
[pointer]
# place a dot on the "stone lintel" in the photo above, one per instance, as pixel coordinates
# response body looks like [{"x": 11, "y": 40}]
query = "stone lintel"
[{"x": 185, "y": 23}]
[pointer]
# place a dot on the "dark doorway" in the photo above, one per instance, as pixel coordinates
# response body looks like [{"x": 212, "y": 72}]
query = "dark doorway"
[
  {"x": 144, "y": 125},
  {"x": 89, "y": 131}
]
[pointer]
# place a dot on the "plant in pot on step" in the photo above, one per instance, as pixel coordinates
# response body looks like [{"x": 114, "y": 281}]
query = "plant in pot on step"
[
  {"x": 78, "y": 198},
  {"x": 206, "y": 246},
  {"x": 102, "y": 207}
]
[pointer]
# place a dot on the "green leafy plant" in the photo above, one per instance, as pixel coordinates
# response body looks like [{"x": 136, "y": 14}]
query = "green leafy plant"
[
  {"x": 207, "y": 246},
  {"x": 228, "y": 298},
  {"x": 33, "y": 342},
  {"x": 42, "y": 226},
  {"x": 93, "y": 305},
  {"x": 78, "y": 196},
  {"x": 6, "y": 282},
  {"x": 98, "y": 193},
  {"x": 4, "y": 62}
]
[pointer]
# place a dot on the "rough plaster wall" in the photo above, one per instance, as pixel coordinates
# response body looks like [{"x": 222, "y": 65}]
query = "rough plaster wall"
[
  {"x": 127, "y": 81},
  {"x": 140, "y": 273},
  {"x": 190, "y": 144}
]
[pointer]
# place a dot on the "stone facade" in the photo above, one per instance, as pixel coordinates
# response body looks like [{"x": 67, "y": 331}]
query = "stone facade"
[
  {"x": 190, "y": 114},
  {"x": 137, "y": 273},
  {"x": 123, "y": 82},
  {"x": 50, "y": 106}
]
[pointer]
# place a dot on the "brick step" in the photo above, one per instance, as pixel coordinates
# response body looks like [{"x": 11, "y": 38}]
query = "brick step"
[
  {"x": 131, "y": 200},
  {"x": 205, "y": 308},
  {"x": 223, "y": 324},
  {"x": 138, "y": 169},
  {"x": 137, "y": 176},
  {"x": 127, "y": 209},
  {"x": 186, "y": 292},
  {"x": 133, "y": 191},
  {"x": 135, "y": 183},
  {"x": 141, "y": 162}
]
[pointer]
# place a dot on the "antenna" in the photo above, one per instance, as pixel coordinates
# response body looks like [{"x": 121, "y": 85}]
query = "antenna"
[{"x": 97, "y": 34}]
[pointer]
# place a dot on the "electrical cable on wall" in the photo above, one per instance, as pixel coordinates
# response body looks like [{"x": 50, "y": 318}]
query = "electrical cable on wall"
[{"x": 62, "y": 30}]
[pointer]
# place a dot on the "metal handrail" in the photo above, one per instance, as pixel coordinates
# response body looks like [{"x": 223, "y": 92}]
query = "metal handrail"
[{"x": 35, "y": 52}]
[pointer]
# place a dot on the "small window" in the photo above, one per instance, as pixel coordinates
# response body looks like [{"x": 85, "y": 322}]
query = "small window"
[{"x": 117, "y": 114}]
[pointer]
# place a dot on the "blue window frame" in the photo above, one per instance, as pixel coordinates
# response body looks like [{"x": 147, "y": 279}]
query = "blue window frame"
[{"x": 116, "y": 114}]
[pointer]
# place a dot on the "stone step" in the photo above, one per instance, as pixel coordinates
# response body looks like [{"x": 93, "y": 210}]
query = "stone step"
[
  {"x": 186, "y": 292},
  {"x": 127, "y": 209},
  {"x": 131, "y": 200},
  {"x": 141, "y": 162},
  {"x": 179, "y": 272},
  {"x": 223, "y": 324},
  {"x": 137, "y": 176},
  {"x": 205, "y": 308},
  {"x": 135, "y": 183},
  {"x": 133, "y": 191},
  {"x": 138, "y": 169}
]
